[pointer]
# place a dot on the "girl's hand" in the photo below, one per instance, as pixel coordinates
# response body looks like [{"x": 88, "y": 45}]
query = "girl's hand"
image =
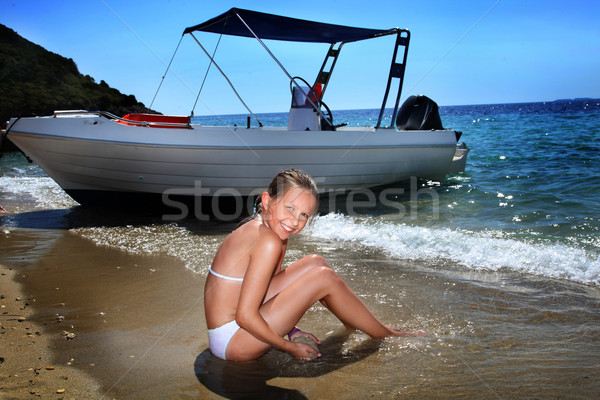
[
  {"x": 306, "y": 345},
  {"x": 304, "y": 352},
  {"x": 298, "y": 333}
]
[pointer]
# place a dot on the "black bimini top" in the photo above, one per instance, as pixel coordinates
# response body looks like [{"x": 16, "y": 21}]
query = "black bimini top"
[{"x": 275, "y": 27}]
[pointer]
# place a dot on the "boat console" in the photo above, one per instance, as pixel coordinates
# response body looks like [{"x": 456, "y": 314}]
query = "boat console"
[{"x": 303, "y": 116}]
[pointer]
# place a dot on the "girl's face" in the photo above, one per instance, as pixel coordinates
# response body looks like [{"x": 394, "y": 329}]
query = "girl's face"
[{"x": 288, "y": 215}]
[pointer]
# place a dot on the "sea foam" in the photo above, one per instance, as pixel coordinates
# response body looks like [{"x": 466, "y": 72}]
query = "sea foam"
[
  {"x": 42, "y": 190},
  {"x": 195, "y": 251},
  {"x": 477, "y": 250}
]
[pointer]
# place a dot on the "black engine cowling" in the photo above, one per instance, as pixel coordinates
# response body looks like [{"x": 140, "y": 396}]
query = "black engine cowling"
[{"x": 418, "y": 113}]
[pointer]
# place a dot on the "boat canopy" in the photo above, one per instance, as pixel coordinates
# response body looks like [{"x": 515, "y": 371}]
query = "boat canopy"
[
  {"x": 258, "y": 25},
  {"x": 238, "y": 22}
]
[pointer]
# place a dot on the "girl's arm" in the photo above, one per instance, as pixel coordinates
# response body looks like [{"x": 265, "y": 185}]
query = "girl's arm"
[{"x": 264, "y": 258}]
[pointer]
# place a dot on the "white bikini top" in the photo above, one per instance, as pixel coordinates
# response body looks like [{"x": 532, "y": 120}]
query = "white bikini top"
[{"x": 228, "y": 278}]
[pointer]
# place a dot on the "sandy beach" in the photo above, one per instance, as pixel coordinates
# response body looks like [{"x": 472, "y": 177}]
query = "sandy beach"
[
  {"x": 138, "y": 325},
  {"x": 27, "y": 361},
  {"x": 127, "y": 332}
]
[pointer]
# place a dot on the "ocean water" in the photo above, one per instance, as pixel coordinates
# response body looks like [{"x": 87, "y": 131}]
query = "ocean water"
[{"x": 527, "y": 202}]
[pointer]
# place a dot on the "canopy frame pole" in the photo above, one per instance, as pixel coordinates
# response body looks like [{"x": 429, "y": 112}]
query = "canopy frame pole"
[
  {"x": 206, "y": 75},
  {"x": 316, "y": 108},
  {"x": 324, "y": 76},
  {"x": 397, "y": 70},
  {"x": 227, "y": 79},
  {"x": 165, "y": 74}
]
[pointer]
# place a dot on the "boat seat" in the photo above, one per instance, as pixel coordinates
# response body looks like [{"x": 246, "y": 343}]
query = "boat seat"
[{"x": 155, "y": 120}]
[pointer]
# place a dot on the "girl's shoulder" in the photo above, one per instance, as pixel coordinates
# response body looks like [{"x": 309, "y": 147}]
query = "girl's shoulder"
[{"x": 255, "y": 235}]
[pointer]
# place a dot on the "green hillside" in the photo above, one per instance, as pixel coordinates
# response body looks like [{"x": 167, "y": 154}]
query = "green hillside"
[{"x": 34, "y": 81}]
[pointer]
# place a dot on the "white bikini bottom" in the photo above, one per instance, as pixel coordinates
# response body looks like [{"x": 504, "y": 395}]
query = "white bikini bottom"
[{"x": 219, "y": 338}]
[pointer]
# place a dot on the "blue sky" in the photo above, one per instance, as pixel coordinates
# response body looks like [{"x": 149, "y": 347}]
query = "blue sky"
[{"x": 461, "y": 52}]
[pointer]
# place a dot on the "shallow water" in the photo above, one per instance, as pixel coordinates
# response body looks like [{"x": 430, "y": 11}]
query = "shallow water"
[{"x": 492, "y": 334}]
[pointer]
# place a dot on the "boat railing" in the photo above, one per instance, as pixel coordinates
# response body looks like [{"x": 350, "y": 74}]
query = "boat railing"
[{"x": 126, "y": 121}]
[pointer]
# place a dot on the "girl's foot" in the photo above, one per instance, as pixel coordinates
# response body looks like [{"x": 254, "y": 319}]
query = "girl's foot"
[{"x": 397, "y": 332}]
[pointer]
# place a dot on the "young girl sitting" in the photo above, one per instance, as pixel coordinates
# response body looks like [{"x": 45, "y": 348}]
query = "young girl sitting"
[{"x": 251, "y": 303}]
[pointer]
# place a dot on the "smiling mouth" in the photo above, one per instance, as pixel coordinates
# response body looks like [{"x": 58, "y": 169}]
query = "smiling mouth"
[{"x": 287, "y": 228}]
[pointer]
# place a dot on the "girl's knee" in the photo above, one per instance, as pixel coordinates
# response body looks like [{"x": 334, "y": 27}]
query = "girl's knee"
[
  {"x": 308, "y": 264},
  {"x": 317, "y": 261},
  {"x": 326, "y": 274}
]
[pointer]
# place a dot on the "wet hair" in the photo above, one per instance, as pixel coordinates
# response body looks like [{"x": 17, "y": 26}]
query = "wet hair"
[{"x": 284, "y": 181}]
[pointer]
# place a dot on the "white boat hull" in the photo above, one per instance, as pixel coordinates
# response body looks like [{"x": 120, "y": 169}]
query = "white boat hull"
[{"x": 89, "y": 153}]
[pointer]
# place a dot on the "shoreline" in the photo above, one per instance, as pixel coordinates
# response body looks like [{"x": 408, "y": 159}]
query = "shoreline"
[{"x": 136, "y": 322}]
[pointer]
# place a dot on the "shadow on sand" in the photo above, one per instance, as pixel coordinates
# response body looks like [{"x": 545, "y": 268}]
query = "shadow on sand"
[
  {"x": 248, "y": 380},
  {"x": 85, "y": 217}
]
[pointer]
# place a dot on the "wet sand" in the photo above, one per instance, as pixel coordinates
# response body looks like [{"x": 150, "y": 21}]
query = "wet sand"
[
  {"x": 138, "y": 321},
  {"x": 140, "y": 331}
]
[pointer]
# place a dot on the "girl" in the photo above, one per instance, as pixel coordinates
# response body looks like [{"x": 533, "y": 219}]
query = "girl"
[{"x": 251, "y": 303}]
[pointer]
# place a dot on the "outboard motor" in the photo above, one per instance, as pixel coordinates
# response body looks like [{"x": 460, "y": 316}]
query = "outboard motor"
[{"x": 418, "y": 113}]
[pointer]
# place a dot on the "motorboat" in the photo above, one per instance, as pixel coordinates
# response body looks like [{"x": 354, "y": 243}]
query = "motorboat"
[{"x": 99, "y": 157}]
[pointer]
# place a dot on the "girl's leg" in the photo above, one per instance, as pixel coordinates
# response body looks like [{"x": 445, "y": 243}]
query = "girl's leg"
[
  {"x": 285, "y": 309},
  {"x": 323, "y": 284},
  {"x": 293, "y": 272}
]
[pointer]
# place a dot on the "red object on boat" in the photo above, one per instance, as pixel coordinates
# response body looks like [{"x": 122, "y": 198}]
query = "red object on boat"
[
  {"x": 316, "y": 93},
  {"x": 155, "y": 120}
]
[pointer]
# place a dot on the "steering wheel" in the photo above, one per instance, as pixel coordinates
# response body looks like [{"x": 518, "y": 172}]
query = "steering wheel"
[{"x": 327, "y": 114}]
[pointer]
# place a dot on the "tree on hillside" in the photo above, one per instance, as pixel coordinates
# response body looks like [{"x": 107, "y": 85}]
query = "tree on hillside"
[{"x": 34, "y": 81}]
